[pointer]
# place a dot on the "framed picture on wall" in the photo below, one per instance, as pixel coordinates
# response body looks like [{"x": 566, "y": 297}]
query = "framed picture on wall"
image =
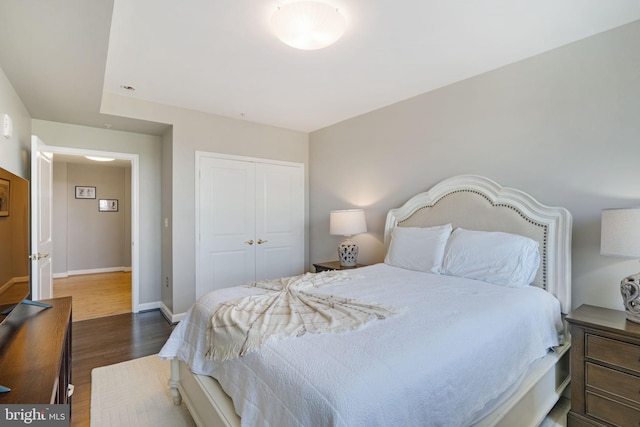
[
  {"x": 5, "y": 186},
  {"x": 83, "y": 192},
  {"x": 108, "y": 205}
]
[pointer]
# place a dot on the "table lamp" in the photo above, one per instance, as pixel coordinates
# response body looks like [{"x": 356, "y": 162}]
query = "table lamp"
[
  {"x": 347, "y": 223},
  {"x": 620, "y": 237}
]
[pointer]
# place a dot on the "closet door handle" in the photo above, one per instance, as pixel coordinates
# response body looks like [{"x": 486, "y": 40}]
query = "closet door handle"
[
  {"x": 249, "y": 242},
  {"x": 260, "y": 241}
]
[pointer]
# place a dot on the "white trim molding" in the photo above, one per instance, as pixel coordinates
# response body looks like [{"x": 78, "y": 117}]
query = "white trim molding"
[
  {"x": 168, "y": 314},
  {"x": 135, "y": 209}
]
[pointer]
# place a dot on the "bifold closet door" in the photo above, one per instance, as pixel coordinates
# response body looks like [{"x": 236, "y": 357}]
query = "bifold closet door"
[{"x": 250, "y": 219}]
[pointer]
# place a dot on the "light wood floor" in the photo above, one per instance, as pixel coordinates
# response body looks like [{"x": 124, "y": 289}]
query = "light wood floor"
[{"x": 96, "y": 295}]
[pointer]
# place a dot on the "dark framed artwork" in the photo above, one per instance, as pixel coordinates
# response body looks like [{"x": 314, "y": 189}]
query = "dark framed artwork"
[
  {"x": 84, "y": 192},
  {"x": 108, "y": 205}
]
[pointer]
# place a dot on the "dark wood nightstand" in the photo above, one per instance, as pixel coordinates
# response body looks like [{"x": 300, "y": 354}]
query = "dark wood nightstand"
[
  {"x": 332, "y": 265},
  {"x": 605, "y": 368}
]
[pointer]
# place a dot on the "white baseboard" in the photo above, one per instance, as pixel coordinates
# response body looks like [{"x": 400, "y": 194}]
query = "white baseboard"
[
  {"x": 147, "y": 306},
  {"x": 90, "y": 271},
  {"x": 173, "y": 318}
]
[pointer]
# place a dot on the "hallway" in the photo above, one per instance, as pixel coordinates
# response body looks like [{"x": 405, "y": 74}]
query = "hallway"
[{"x": 96, "y": 295}]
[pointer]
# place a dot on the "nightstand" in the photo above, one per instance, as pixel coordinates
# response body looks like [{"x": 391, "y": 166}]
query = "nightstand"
[
  {"x": 332, "y": 265},
  {"x": 605, "y": 368}
]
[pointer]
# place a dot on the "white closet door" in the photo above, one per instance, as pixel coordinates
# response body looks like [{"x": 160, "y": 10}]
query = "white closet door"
[
  {"x": 279, "y": 221},
  {"x": 226, "y": 222}
]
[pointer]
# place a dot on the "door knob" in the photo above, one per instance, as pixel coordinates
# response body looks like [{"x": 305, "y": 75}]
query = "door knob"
[
  {"x": 249, "y": 242},
  {"x": 260, "y": 241}
]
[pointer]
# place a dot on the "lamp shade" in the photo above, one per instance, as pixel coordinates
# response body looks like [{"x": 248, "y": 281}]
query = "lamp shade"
[
  {"x": 308, "y": 25},
  {"x": 347, "y": 222},
  {"x": 620, "y": 233}
]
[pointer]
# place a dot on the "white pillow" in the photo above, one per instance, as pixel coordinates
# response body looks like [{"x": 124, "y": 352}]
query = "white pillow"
[
  {"x": 415, "y": 248},
  {"x": 495, "y": 257}
]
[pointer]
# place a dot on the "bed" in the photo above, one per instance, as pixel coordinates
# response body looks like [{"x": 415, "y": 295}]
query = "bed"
[{"x": 462, "y": 364}]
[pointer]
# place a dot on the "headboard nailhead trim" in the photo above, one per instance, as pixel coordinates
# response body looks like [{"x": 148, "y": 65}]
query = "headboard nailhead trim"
[{"x": 503, "y": 205}]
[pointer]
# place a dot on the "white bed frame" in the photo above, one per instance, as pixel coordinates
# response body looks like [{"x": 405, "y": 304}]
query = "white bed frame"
[{"x": 476, "y": 203}]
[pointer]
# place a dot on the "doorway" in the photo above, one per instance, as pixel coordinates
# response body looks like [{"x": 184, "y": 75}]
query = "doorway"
[{"x": 99, "y": 289}]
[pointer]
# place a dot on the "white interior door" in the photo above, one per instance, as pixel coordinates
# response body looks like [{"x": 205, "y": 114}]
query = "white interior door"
[
  {"x": 279, "y": 221},
  {"x": 41, "y": 222},
  {"x": 226, "y": 253}
]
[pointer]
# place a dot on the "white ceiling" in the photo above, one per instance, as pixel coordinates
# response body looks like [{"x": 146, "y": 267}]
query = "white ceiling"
[{"x": 221, "y": 57}]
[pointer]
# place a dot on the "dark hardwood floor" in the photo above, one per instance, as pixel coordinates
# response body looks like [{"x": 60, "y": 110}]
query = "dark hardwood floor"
[{"x": 108, "y": 340}]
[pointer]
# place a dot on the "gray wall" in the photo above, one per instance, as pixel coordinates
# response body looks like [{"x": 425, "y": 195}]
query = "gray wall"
[
  {"x": 59, "y": 217},
  {"x": 149, "y": 150},
  {"x": 195, "y": 131},
  {"x": 86, "y": 240},
  {"x": 14, "y": 152},
  {"x": 563, "y": 126}
]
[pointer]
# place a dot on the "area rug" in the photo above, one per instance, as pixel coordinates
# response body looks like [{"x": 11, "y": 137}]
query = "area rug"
[{"x": 135, "y": 393}]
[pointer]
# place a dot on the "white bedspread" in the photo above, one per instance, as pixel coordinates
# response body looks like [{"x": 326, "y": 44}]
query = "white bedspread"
[
  {"x": 460, "y": 344},
  {"x": 290, "y": 307}
]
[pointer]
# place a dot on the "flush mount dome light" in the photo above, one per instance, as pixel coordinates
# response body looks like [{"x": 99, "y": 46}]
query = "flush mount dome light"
[
  {"x": 308, "y": 25},
  {"x": 100, "y": 159}
]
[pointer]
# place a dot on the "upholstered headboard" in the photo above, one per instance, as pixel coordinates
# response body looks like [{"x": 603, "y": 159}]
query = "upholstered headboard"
[{"x": 478, "y": 203}]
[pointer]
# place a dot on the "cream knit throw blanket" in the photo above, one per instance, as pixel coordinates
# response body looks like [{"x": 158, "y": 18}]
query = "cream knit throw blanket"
[{"x": 242, "y": 325}]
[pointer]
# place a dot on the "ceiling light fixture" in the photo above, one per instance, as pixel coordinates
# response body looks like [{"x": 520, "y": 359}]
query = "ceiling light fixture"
[
  {"x": 100, "y": 159},
  {"x": 308, "y": 25}
]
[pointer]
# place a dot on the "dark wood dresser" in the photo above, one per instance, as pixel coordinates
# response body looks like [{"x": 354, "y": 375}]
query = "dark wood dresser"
[
  {"x": 35, "y": 357},
  {"x": 605, "y": 368}
]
